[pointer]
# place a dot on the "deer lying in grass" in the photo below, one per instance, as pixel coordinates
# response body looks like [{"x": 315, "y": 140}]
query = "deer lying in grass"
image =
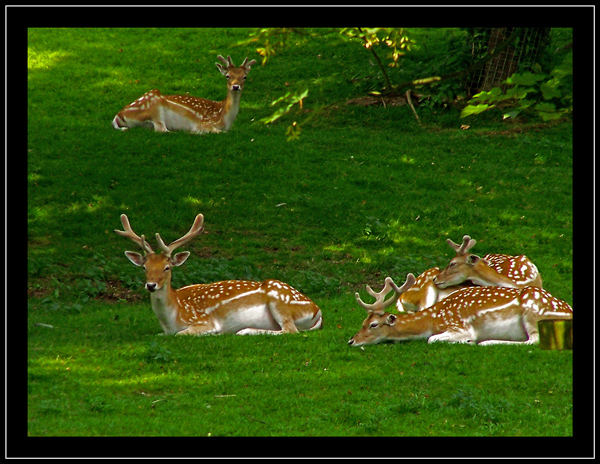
[
  {"x": 232, "y": 306},
  {"x": 478, "y": 315},
  {"x": 187, "y": 113},
  {"x": 493, "y": 269}
]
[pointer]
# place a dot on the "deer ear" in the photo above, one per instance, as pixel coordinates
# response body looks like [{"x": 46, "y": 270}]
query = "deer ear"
[
  {"x": 473, "y": 259},
  {"x": 391, "y": 320},
  {"x": 135, "y": 258},
  {"x": 180, "y": 258}
]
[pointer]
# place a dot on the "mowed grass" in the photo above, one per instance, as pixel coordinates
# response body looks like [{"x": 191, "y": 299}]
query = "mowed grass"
[
  {"x": 298, "y": 385},
  {"x": 364, "y": 193}
]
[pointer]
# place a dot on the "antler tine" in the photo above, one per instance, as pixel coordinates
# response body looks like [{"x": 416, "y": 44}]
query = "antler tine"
[
  {"x": 129, "y": 233},
  {"x": 162, "y": 246},
  {"x": 196, "y": 229},
  {"x": 466, "y": 245},
  {"x": 225, "y": 62},
  {"x": 371, "y": 292},
  {"x": 246, "y": 64},
  {"x": 380, "y": 303},
  {"x": 362, "y": 303},
  {"x": 146, "y": 245},
  {"x": 409, "y": 282}
]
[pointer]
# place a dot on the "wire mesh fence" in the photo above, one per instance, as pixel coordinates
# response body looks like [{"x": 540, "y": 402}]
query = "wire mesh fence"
[{"x": 521, "y": 54}]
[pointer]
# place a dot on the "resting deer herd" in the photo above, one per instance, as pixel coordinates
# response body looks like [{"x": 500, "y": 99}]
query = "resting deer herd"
[
  {"x": 448, "y": 305},
  {"x": 485, "y": 300}
]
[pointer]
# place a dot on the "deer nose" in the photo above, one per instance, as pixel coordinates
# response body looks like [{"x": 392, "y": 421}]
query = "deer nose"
[
  {"x": 351, "y": 341},
  {"x": 236, "y": 87},
  {"x": 150, "y": 286}
]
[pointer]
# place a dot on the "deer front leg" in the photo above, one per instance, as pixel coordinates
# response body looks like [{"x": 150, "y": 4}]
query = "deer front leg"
[
  {"x": 214, "y": 129},
  {"x": 453, "y": 336},
  {"x": 251, "y": 331},
  {"x": 531, "y": 341},
  {"x": 159, "y": 126},
  {"x": 203, "y": 329},
  {"x": 288, "y": 327}
]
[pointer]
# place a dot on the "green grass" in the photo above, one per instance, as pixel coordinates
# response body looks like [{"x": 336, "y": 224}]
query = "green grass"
[
  {"x": 299, "y": 385},
  {"x": 364, "y": 193}
]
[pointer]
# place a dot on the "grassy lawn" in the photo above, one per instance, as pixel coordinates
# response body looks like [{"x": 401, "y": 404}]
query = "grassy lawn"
[{"x": 366, "y": 192}]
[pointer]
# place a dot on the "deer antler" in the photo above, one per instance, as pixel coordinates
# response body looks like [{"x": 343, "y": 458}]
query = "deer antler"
[
  {"x": 129, "y": 233},
  {"x": 247, "y": 64},
  {"x": 227, "y": 62},
  {"x": 466, "y": 245},
  {"x": 196, "y": 229},
  {"x": 381, "y": 303}
]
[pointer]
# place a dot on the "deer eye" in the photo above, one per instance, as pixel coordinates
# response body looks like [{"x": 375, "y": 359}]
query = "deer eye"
[
  {"x": 227, "y": 76},
  {"x": 167, "y": 267},
  {"x": 452, "y": 264},
  {"x": 373, "y": 325}
]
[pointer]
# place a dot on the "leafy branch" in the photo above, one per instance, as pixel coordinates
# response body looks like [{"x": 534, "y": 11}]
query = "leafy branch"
[
  {"x": 490, "y": 55},
  {"x": 394, "y": 39},
  {"x": 272, "y": 40},
  {"x": 290, "y": 99},
  {"x": 550, "y": 96}
]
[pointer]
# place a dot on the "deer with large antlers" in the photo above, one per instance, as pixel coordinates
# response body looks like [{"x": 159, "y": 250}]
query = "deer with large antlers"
[
  {"x": 232, "y": 306},
  {"x": 477, "y": 315},
  {"x": 493, "y": 269},
  {"x": 187, "y": 113}
]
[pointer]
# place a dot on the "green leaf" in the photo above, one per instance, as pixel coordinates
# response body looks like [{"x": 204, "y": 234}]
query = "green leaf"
[
  {"x": 526, "y": 78},
  {"x": 565, "y": 68},
  {"x": 287, "y": 95},
  {"x": 518, "y": 92},
  {"x": 551, "y": 89},
  {"x": 470, "y": 110},
  {"x": 511, "y": 114},
  {"x": 490, "y": 96},
  {"x": 548, "y": 111},
  {"x": 547, "y": 107},
  {"x": 293, "y": 132},
  {"x": 290, "y": 99},
  {"x": 550, "y": 116}
]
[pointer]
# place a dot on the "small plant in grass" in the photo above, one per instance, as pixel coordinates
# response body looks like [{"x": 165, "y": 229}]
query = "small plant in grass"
[
  {"x": 472, "y": 405},
  {"x": 98, "y": 404},
  {"x": 155, "y": 352}
]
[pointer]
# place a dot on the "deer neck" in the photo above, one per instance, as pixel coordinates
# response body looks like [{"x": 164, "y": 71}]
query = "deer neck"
[
  {"x": 166, "y": 306},
  {"x": 415, "y": 326},
  {"x": 417, "y": 298},
  {"x": 231, "y": 107},
  {"x": 485, "y": 275},
  {"x": 446, "y": 292}
]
